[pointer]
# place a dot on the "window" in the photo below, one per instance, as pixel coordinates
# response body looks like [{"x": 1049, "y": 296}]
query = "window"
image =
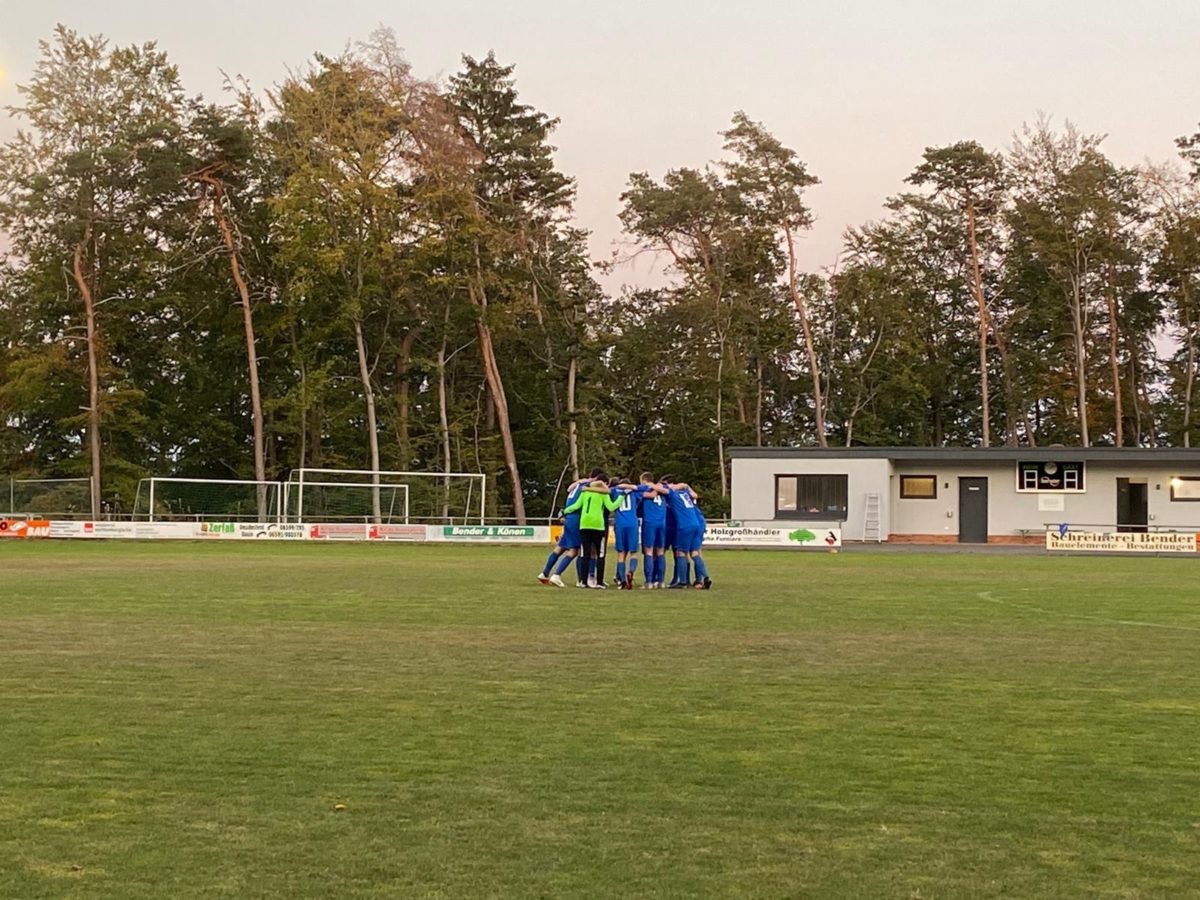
[
  {"x": 918, "y": 487},
  {"x": 1185, "y": 489},
  {"x": 1050, "y": 475},
  {"x": 811, "y": 497}
]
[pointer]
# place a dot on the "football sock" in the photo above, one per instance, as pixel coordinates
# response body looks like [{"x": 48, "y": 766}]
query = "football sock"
[
  {"x": 701, "y": 568},
  {"x": 632, "y": 566},
  {"x": 581, "y": 568},
  {"x": 649, "y": 569},
  {"x": 550, "y": 562},
  {"x": 591, "y": 567},
  {"x": 660, "y": 569},
  {"x": 562, "y": 565},
  {"x": 620, "y": 573}
]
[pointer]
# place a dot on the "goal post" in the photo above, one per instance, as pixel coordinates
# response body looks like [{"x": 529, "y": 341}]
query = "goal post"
[
  {"x": 227, "y": 499},
  {"x": 55, "y": 497},
  {"x": 384, "y": 503},
  {"x": 318, "y": 494}
]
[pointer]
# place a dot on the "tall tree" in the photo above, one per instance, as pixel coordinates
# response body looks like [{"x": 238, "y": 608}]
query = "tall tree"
[
  {"x": 227, "y": 151},
  {"x": 520, "y": 199},
  {"x": 770, "y": 180},
  {"x": 85, "y": 190},
  {"x": 969, "y": 178}
]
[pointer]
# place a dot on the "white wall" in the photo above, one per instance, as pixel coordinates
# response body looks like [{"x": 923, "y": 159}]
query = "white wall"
[
  {"x": 753, "y": 490},
  {"x": 1010, "y": 511}
]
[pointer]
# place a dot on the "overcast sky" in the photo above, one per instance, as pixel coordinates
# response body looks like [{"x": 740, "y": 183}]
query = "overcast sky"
[{"x": 857, "y": 87}]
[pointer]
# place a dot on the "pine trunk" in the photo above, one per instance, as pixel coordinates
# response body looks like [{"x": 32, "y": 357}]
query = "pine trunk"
[
  {"x": 256, "y": 412},
  {"x": 1190, "y": 375},
  {"x": 93, "y": 417},
  {"x": 809, "y": 344},
  {"x": 364, "y": 373},
  {"x": 1077, "y": 325},
  {"x": 980, "y": 300},
  {"x": 444, "y": 424},
  {"x": 491, "y": 372},
  {"x": 572, "y": 427},
  {"x": 1115, "y": 367},
  {"x": 720, "y": 420}
]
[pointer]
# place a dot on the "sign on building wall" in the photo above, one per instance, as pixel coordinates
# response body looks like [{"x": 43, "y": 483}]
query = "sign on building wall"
[{"x": 1136, "y": 542}]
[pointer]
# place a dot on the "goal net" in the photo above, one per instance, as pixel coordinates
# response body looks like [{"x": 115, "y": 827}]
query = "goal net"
[
  {"x": 48, "y": 497},
  {"x": 223, "y": 500},
  {"x": 333, "y": 495}
]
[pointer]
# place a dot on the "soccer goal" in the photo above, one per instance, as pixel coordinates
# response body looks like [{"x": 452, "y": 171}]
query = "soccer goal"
[
  {"x": 333, "y": 495},
  {"x": 50, "y": 497},
  {"x": 203, "y": 499}
]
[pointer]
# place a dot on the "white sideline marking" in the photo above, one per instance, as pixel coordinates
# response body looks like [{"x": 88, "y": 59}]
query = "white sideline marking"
[{"x": 988, "y": 597}]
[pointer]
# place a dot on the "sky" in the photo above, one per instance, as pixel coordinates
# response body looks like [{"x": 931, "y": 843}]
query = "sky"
[{"x": 858, "y": 88}]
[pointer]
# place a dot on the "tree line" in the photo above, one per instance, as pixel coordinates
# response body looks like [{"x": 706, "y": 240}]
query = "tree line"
[{"x": 361, "y": 268}]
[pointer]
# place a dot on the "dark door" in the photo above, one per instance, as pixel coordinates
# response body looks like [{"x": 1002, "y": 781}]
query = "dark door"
[
  {"x": 1133, "y": 501},
  {"x": 972, "y": 510}
]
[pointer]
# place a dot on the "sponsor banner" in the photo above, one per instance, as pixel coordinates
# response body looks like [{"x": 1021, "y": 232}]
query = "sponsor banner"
[
  {"x": 1148, "y": 542},
  {"x": 70, "y": 529},
  {"x": 248, "y": 531},
  {"x": 337, "y": 531},
  {"x": 557, "y": 530},
  {"x": 24, "y": 528},
  {"x": 271, "y": 531},
  {"x": 396, "y": 533},
  {"x": 745, "y": 536},
  {"x": 520, "y": 534},
  {"x": 737, "y": 535},
  {"x": 162, "y": 531}
]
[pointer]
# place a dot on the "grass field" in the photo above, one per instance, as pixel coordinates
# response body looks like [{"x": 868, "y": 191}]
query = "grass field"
[{"x": 180, "y": 721}]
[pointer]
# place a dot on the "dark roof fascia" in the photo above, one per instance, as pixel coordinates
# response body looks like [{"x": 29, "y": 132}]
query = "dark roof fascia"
[{"x": 1162, "y": 455}]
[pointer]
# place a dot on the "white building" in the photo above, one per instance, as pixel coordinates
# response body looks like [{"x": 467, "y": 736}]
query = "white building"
[{"x": 947, "y": 494}]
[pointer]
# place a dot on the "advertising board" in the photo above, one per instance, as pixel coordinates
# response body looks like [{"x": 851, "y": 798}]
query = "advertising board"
[
  {"x": 1133, "y": 542},
  {"x": 396, "y": 533},
  {"x": 520, "y": 534},
  {"x": 24, "y": 528}
]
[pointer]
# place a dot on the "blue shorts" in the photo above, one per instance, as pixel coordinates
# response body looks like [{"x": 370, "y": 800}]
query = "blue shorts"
[
  {"x": 571, "y": 539},
  {"x": 627, "y": 538},
  {"x": 688, "y": 540},
  {"x": 654, "y": 536}
]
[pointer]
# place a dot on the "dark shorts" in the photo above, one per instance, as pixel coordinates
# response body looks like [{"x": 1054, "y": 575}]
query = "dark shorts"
[{"x": 593, "y": 541}]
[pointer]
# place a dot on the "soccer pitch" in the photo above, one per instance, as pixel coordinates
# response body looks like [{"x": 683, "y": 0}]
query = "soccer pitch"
[{"x": 185, "y": 720}]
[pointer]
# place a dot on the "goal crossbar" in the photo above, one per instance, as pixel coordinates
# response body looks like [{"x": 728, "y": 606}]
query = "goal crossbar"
[
  {"x": 298, "y": 480},
  {"x": 264, "y": 486}
]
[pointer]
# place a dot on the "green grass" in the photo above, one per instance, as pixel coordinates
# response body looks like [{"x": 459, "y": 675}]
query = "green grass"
[{"x": 180, "y": 721}]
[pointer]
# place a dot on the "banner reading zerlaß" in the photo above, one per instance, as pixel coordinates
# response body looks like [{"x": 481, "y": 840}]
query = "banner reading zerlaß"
[{"x": 1134, "y": 542}]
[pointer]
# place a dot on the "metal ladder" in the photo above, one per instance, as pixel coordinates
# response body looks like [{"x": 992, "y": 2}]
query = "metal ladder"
[{"x": 871, "y": 523}]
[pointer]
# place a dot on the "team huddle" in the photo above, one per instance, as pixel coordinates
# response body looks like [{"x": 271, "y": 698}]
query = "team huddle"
[{"x": 653, "y": 516}]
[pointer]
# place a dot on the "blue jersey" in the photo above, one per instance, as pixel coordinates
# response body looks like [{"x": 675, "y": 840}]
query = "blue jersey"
[
  {"x": 684, "y": 509},
  {"x": 572, "y": 519},
  {"x": 654, "y": 506},
  {"x": 627, "y": 512}
]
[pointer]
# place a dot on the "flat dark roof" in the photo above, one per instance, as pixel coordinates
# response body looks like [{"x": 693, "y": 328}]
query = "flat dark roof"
[{"x": 1161, "y": 455}]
